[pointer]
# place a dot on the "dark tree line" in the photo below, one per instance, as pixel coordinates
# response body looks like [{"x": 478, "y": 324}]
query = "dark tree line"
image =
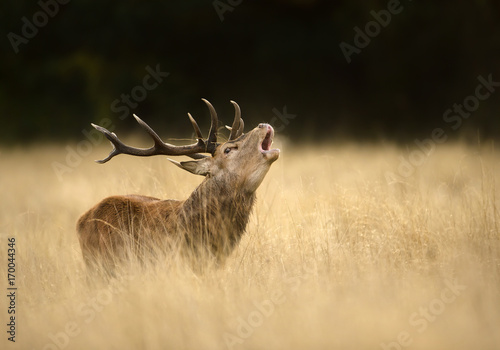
[{"x": 324, "y": 68}]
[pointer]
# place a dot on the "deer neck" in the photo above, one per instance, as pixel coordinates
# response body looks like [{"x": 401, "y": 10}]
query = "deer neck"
[{"x": 218, "y": 211}]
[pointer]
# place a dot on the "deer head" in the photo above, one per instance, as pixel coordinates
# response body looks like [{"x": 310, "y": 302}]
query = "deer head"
[{"x": 242, "y": 161}]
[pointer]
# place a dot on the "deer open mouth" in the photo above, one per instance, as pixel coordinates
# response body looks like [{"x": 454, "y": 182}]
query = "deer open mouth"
[{"x": 267, "y": 141}]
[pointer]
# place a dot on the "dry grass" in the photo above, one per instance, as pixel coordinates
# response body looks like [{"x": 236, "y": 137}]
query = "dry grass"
[{"x": 334, "y": 256}]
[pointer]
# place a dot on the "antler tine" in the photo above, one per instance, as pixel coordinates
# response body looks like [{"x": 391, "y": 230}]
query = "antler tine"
[
  {"x": 211, "y": 143},
  {"x": 111, "y": 136},
  {"x": 151, "y": 132},
  {"x": 236, "y": 123},
  {"x": 242, "y": 127},
  {"x": 121, "y": 148},
  {"x": 196, "y": 127}
]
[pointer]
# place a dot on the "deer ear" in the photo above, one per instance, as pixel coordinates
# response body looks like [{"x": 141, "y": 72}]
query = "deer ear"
[{"x": 197, "y": 167}]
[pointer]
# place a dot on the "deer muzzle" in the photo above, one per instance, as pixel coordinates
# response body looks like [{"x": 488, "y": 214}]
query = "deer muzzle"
[{"x": 267, "y": 140}]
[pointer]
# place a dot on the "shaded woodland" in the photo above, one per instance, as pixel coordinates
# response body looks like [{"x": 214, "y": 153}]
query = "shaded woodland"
[{"x": 78, "y": 63}]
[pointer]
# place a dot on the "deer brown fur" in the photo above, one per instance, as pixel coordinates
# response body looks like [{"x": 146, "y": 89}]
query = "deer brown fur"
[{"x": 212, "y": 219}]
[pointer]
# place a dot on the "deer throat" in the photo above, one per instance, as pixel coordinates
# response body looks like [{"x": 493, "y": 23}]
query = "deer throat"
[{"x": 216, "y": 215}]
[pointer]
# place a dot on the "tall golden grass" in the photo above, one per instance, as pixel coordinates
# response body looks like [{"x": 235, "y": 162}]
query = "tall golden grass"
[{"x": 334, "y": 257}]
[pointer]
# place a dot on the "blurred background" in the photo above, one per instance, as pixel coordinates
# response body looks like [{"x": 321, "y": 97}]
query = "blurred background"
[{"x": 315, "y": 69}]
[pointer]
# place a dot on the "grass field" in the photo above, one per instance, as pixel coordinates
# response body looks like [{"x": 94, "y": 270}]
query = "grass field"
[{"x": 335, "y": 256}]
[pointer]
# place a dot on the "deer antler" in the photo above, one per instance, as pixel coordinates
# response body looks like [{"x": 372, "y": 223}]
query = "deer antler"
[
  {"x": 163, "y": 148},
  {"x": 238, "y": 124}
]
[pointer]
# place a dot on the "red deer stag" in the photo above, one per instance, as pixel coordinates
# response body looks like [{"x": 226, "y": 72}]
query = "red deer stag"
[{"x": 214, "y": 216}]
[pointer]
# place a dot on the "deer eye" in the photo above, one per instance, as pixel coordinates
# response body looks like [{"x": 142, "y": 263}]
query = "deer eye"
[{"x": 229, "y": 149}]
